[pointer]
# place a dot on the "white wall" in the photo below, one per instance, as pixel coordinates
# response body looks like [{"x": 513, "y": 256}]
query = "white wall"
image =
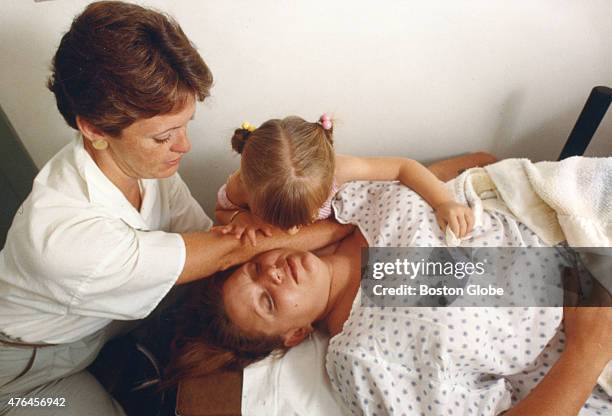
[{"x": 421, "y": 79}]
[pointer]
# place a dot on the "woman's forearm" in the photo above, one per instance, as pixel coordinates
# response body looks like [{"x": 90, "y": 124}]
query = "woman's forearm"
[
  {"x": 563, "y": 391},
  {"x": 448, "y": 169},
  {"x": 210, "y": 252}
]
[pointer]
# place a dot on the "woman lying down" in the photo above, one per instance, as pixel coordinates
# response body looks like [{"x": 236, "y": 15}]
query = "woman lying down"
[{"x": 413, "y": 361}]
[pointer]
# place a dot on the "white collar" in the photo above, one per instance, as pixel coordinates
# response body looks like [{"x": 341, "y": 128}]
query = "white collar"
[{"x": 102, "y": 192}]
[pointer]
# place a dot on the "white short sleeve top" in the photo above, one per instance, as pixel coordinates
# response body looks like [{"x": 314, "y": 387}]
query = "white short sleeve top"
[{"x": 78, "y": 255}]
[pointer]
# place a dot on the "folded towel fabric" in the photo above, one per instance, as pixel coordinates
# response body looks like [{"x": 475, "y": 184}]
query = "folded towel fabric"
[{"x": 568, "y": 200}]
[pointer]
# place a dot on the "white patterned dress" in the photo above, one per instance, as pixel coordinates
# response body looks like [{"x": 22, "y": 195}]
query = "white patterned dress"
[{"x": 439, "y": 361}]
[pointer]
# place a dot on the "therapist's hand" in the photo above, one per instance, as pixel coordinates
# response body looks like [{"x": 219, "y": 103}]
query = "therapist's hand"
[{"x": 244, "y": 226}]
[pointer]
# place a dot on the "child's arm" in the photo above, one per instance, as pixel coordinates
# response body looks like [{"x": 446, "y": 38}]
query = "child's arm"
[
  {"x": 233, "y": 214},
  {"x": 235, "y": 199},
  {"x": 224, "y": 216},
  {"x": 409, "y": 172},
  {"x": 414, "y": 175}
]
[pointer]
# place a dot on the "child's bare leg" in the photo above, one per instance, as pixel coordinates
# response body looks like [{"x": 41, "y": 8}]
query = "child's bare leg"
[{"x": 448, "y": 169}]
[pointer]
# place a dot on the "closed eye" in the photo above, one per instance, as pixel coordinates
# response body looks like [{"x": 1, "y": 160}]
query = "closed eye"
[
  {"x": 162, "y": 140},
  {"x": 270, "y": 302},
  {"x": 266, "y": 302}
]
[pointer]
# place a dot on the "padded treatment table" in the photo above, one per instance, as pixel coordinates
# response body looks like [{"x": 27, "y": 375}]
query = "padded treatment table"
[{"x": 215, "y": 395}]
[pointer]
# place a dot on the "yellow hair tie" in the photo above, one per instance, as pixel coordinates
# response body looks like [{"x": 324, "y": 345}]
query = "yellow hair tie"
[{"x": 248, "y": 126}]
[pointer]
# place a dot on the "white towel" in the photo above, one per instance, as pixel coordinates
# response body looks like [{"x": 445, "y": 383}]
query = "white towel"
[{"x": 568, "y": 200}]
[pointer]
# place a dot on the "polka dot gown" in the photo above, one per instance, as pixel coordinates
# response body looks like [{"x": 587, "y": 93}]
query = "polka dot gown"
[{"x": 439, "y": 361}]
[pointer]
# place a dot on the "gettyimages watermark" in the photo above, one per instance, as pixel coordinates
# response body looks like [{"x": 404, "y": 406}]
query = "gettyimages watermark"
[{"x": 473, "y": 276}]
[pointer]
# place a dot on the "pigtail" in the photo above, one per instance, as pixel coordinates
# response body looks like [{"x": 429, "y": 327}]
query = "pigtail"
[
  {"x": 239, "y": 139},
  {"x": 329, "y": 135},
  {"x": 327, "y": 125},
  {"x": 241, "y": 136}
]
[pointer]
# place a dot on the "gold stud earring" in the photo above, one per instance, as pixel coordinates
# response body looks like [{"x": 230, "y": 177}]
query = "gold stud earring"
[{"x": 99, "y": 144}]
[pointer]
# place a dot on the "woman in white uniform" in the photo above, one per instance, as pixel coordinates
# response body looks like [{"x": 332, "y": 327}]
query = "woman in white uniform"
[{"x": 109, "y": 227}]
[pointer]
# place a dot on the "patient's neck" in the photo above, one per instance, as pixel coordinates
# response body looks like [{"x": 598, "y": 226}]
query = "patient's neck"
[
  {"x": 337, "y": 284},
  {"x": 343, "y": 288},
  {"x": 345, "y": 271}
]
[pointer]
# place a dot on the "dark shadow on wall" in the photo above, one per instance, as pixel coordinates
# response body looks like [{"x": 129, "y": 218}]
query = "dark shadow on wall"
[
  {"x": 543, "y": 142},
  {"x": 17, "y": 171}
]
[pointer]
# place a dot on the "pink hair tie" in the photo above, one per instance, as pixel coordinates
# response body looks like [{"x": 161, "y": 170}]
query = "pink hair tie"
[{"x": 325, "y": 121}]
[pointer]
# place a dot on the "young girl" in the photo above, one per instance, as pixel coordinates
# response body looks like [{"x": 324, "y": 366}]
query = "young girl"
[{"x": 289, "y": 174}]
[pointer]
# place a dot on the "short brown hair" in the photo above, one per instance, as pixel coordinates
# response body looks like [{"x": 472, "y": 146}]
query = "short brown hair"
[
  {"x": 288, "y": 166},
  {"x": 120, "y": 62}
]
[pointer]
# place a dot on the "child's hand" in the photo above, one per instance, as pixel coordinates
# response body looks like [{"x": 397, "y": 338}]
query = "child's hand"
[
  {"x": 458, "y": 217},
  {"x": 244, "y": 224}
]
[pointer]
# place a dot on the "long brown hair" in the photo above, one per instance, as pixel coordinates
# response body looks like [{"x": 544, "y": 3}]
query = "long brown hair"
[
  {"x": 207, "y": 341},
  {"x": 121, "y": 62},
  {"x": 288, "y": 167}
]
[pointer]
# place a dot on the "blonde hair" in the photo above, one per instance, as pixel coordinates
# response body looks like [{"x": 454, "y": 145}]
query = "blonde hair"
[{"x": 288, "y": 167}]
